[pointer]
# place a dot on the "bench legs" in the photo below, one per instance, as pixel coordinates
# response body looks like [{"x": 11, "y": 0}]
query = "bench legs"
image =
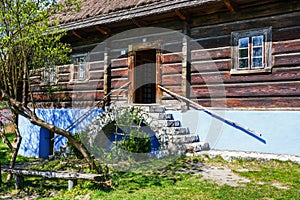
[
  {"x": 19, "y": 182},
  {"x": 71, "y": 184}
]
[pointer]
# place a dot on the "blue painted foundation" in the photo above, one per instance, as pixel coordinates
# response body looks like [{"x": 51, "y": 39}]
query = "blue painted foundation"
[
  {"x": 36, "y": 140},
  {"x": 280, "y": 129}
]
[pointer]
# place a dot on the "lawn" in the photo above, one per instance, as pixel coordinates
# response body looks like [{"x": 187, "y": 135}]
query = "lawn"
[
  {"x": 180, "y": 179},
  {"x": 5, "y": 153}
]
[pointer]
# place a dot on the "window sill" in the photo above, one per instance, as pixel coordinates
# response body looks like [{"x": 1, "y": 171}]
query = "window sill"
[
  {"x": 250, "y": 71},
  {"x": 76, "y": 81}
]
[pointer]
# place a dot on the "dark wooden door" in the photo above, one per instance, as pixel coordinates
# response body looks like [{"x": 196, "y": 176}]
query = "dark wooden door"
[{"x": 145, "y": 77}]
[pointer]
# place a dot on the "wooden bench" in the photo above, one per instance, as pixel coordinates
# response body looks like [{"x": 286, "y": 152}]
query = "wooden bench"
[{"x": 72, "y": 177}]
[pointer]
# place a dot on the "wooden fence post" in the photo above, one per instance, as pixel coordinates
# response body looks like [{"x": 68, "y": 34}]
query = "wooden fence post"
[{"x": 19, "y": 182}]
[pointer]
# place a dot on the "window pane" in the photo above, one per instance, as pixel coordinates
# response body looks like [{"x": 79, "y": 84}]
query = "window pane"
[
  {"x": 257, "y": 52},
  {"x": 257, "y": 62},
  {"x": 243, "y": 42},
  {"x": 243, "y": 63},
  {"x": 82, "y": 71},
  {"x": 257, "y": 41},
  {"x": 243, "y": 53},
  {"x": 52, "y": 75}
]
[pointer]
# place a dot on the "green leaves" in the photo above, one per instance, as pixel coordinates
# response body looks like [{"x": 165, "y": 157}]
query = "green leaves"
[{"x": 29, "y": 41}]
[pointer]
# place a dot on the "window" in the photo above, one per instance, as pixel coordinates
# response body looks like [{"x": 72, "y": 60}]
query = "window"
[
  {"x": 251, "y": 51},
  {"x": 49, "y": 75},
  {"x": 79, "y": 70}
]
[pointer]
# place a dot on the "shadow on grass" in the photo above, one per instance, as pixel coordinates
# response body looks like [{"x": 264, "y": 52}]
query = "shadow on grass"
[{"x": 176, "y": 171}]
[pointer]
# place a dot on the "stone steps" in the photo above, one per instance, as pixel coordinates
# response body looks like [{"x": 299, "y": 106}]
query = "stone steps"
[
  {"x": 184, "y": 139},
  {"x": 175, "y": 130},
  {"x": 172, "y": 132}
]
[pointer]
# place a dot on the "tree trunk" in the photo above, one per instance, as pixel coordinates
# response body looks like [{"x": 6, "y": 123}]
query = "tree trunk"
[
  {"x": 79, "y": 146},
  {"x": 14, "y": 153},
  {"x": 23, "y": 110}
]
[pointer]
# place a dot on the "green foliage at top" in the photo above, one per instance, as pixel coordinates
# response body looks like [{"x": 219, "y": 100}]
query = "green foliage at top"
[{"x": 29, "y": 40}]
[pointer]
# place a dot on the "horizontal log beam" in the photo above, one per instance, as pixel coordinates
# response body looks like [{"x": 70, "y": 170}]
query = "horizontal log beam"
[
  {"x": 262, "y": 103},
  {"x": 54, "y": 174},
  {"x": 282, "y": 47},
  {"x": 291, "y": 89},
  {"x": 278, "y": 74}
]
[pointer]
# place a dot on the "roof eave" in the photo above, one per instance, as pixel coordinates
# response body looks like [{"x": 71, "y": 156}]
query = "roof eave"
[{"x": 123, "y": 15}]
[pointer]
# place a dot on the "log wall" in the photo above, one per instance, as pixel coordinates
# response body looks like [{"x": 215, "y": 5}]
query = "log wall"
[
  {"x": 209, "y": 80},
  {"x": 278, "y": 89}
]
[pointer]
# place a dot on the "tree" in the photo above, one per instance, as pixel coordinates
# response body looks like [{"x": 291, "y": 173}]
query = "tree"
[{"x": 29, "y": 41}]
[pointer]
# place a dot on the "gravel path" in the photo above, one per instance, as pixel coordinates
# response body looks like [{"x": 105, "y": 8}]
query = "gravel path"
[{"x": 229, "y": 155}]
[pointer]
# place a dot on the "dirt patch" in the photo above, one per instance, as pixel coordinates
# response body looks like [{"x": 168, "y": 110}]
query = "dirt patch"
[{"x": 222, "y": 176}]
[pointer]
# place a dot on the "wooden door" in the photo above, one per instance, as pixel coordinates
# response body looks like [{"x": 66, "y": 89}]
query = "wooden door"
[{"x": 145, "y": 77}]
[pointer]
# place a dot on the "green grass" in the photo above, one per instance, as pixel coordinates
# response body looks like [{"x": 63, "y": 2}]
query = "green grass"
[
  {"x": 5, "y": 153},
  {"x": 168, "y": 181}
]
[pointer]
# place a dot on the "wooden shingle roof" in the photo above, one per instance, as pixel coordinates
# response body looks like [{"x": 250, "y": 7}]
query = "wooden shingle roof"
[{"x": 95, "y": 12}]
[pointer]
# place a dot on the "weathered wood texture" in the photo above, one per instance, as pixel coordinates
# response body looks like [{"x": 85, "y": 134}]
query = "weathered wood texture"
[
  {"x": 211, "y": 62},
  {"x": 211, "y": 81},
  {"x": 54, "y": 174}
]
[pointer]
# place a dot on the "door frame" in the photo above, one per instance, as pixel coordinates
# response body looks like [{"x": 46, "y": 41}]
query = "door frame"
[{"x": 132, "y": 49}]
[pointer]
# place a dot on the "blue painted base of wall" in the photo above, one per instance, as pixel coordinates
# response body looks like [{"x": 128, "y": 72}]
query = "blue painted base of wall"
[
  {"x": 281, "y": 129},
  {"x": 35, "y": 142}
]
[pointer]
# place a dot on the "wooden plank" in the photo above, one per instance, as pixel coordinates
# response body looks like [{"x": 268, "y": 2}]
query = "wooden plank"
[
  {"x": 35, "y": 80},
  {"x": 115, "y": 63},
  {"x": 286, "y": 60},
  {"x": 116, "y": 83},
  {"x": 278, "y": 74},
  {"x": 96, "y": 66},
  {"x": 68, "y": 96},
  {"x": 63, "y": 77},
  {"x": 171, "y": 69},
  {"x": 54, "y": 174},
  {"x": 158, "y": 76},
  {"x": 95, "y": 75},
  {"x": 63, "y": 104},
  {"x": 264, "y": 103},
  {"x": 186, "y": 66},
  {"x": 230, "y": 5},
  {"x": 248, "y": 90},
  {"x": 82, "y": 96},
  {"x": 175, "y": 79},
  {"x": 211, "y": 54},
  {"x": 211, "y": 66},
  {"x": 172, "y": 58},
  {"x": 214, "y": 42},
  {"x": 64, "y": 69},
  {"x": 92, "y": 85},
  {"x": 283, "y": 47},
  {"x": 123, "y": 72},
  {"x": 286, "y": 33},
  {"x": 276, "y": 22},
  {"x": 261, "y": 12},
  {"x": 106, "y": 71}
]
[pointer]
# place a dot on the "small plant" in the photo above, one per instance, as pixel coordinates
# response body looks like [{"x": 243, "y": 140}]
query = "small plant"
[
  {"x": 136, "y": 142},
  {"x": 73, "y": 149}
]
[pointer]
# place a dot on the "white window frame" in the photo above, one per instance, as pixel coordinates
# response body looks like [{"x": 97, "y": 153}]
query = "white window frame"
[
  {"x": 49, "y": 75},
  {"x": 266, "y": 46},
  {"x": 79, "y": 75}
]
